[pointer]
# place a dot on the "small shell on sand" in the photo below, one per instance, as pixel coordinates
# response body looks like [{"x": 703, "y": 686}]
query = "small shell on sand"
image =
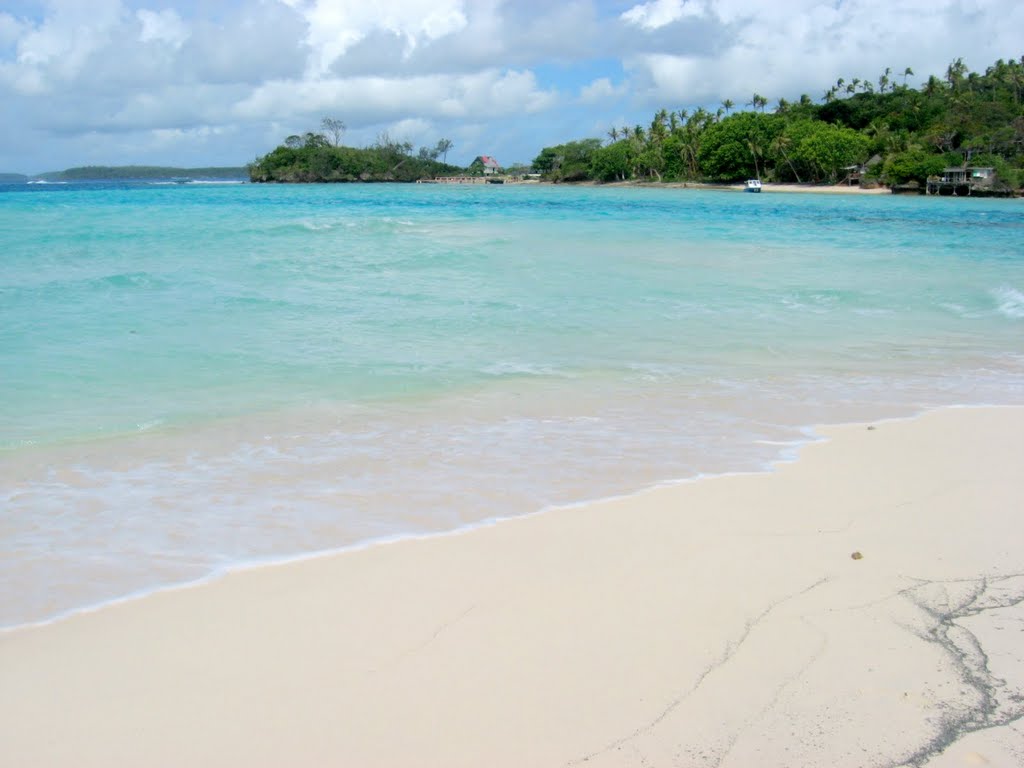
[{"x": 857, "y": 556}]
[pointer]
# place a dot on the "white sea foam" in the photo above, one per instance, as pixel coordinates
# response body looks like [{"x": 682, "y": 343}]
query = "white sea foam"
[
  {"x": 317, "y": 226},
  {"x": 1010, "y": 302},
  {"x": 515, "y": 368}
]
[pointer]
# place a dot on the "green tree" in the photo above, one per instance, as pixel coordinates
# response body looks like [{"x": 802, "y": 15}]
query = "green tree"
[
  {"x": 912, "y": 165},
  {"x": 732, "y": 149},
  {"x": 312, "y": 140},
  {"x": 613, "y": 162},
  {"x": 829, "y": 149},
  {"x": 567, "y": 162}
]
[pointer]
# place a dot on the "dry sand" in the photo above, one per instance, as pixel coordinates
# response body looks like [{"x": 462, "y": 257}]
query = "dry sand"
[
  {"x": 831, "y": 189},
  {"x": 716, "y": 623},
  {"x": 826, "y": 189}
]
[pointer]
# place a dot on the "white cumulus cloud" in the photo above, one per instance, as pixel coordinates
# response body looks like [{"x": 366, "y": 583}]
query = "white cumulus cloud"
[
  {"x": 165, "y": 26},
  {"x": 660, "y": 13},
  {"x": 600, "y": 90},
  {"x": 789, "y": 47},
  {"x": 337, "y": 25}
]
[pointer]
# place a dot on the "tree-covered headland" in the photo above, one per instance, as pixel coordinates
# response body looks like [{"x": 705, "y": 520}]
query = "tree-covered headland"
[
  {"x": 321, "y": 157},
  {"x": 896, "y": 134}
]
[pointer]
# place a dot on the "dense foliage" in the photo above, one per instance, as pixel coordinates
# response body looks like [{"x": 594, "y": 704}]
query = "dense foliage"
[
  {"x": 135, "y": 172},
  {"x": 314, "y": 158},
  {"x": 891, "y": 133}
]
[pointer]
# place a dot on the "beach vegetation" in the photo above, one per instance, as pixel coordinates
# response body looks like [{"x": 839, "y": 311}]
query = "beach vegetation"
[
  {"x": 316, "y": 157},
  {"x": 613, "y": 162},
  {"x": 915, "y": 164},
  {"x": 734, "y": 148},
  {"x": 570, "y": 161},
  {"x": 880, "y": 130}
]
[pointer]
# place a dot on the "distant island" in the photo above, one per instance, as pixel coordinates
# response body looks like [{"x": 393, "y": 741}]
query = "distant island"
[
  {"x": 320, "y": 157},
  {"x": 142, "y": 172},
  {"x": 13, "y": 178}
]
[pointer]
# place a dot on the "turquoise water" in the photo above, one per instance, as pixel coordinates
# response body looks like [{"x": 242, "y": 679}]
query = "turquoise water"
[{"x": 197, "y": 376}]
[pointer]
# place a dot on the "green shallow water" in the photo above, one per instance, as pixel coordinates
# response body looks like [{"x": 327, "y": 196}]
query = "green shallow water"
[{"x": 197, "y": 376}]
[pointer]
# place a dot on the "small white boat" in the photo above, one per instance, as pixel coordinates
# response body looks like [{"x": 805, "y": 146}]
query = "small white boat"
[{"x": 752, "y": 185}]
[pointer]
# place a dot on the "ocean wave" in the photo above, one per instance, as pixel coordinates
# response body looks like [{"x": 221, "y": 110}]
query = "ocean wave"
[
  {"x": 129, "y": 280},
  {"x": 1010, "y": 302},
  {"x": 509, "y": 368},
  {"x": 316, "y": 226},
  {"x": 960, "y": 310}
]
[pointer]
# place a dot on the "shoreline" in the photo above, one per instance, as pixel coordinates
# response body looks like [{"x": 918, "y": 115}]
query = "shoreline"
[
  {"x": 788, "y": 453},
  {"x": 554, "y": 637},
  {"x": 768, "y": 186}
]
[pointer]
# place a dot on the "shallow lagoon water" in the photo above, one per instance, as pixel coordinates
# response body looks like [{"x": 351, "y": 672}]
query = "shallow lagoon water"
[{"x": 198, "y": 376}]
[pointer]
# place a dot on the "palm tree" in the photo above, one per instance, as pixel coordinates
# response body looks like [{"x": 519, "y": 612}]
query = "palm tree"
[
  {"x": 757, "y": 101},
  {"x": 702, "y": 118},
  {"x": 906, "y": 72},
  {"x": 657, "y": 130},
  {"x": 443, "y": 146},
  {"x": 780, "y": 144},
  {"x": 613, "y": 134},
  {"x": 754, "y": 145},
  {"x": 883, "y": 80},
  {"x": 955, "y": 72},
  {"x": 727, "y": 105}
]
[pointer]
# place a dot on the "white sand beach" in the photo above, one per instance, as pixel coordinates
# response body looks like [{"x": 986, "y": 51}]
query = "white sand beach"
[
  {"x": 724, "y": 622},
  {"x": 768, "y": 186},
  {"x": 829, "y": 189}
]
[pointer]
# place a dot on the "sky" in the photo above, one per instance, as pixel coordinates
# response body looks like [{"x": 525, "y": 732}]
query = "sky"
[{"x": 194, "y": 83}]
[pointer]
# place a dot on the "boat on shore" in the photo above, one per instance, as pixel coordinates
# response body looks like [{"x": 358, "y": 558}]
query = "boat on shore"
[{"x": 752, "y": 185}]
